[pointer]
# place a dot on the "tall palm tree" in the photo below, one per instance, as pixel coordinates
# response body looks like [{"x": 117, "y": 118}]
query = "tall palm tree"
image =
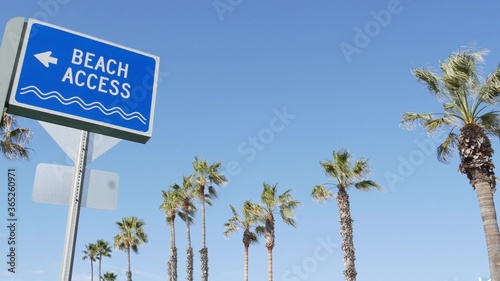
[
  {"x": 468, "y": 106},
  {"x": 206, "y": 174},
  {"x": 170, "y": 205},
  {"x": 250, "y": 225},
  {"x": 346, "y": 174},
  {"x": 14, "y": 140},
  {"x": 109, "y": 276},
  {"x": 272, "y": 202},
  {"x": 103, "y": 250},
  {"x": 131, "y": 235},
  {"x": 187, "y": 193},
  {"x": 90, "y": 253}
]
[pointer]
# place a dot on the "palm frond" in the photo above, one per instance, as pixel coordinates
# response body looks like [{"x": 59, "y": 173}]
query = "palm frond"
[
  {"x": 14, "y": 140},
  {"x": 490, "y": 121},
  {"x": 438, "y": 123},
  {"x": 446, "y": 148},
  {"x": 410, "y": 119},
  {"x": 321, "y": 194},
  {"x": 489, "y": 91},
  {"x": 367, "y": 185},
  {"x": 459, "y": 72},
  {"x": 361, "y": 168},
  {"x": 428, "y": 78}
]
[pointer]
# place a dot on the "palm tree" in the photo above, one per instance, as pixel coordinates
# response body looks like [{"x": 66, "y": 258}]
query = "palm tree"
[
  {"x": 102, "y": 250},
  {"x": 109, "y": 276},
  {"x": 170, "y": 205},
  {"x": 14, "y": 139},
  {"x": 130, "y": 237},
  {"x": 249, "y": 221},
  {"x": 468, "y": 105},
  {"x": 206, "y": 174},
  {"x": 90, "y": 252},
  {"x": 188, "y": 210},
  {"x": 272, "y": 203},
  {"x": 345, "y": 174}
]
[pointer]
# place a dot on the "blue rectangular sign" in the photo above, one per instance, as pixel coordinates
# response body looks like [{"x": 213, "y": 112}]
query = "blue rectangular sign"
[{"x": 75, "y": 80}]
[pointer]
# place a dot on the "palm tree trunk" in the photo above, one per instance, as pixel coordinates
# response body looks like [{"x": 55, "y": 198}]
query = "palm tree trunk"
[
  {"x": 204, "y": 250},
  {"x": 203, "y": 234},
  {"x": 347, "y": 235},
  {"x": 246, "y": 264},
  {"x": 204, "y": 264},
  {"x": 189, "y": 252},
  {"x": 99, "y": 271},
  {"x": 490, "y": 224},
  {"x": 91, "y": 270},
  {"x": 270, "y": 245},
  {"x": 270, "y": 264},
  {"x": 172, "y": 263},
  {"x": 189, "y": 267},
  {"x": 128, "y": 273}
]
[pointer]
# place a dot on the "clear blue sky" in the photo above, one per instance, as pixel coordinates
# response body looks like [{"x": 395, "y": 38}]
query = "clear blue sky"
[{"x": 273, "y": 87}]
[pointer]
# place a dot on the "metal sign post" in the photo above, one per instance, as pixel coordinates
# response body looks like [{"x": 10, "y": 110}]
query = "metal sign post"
[{"x": 74, "y": 209}]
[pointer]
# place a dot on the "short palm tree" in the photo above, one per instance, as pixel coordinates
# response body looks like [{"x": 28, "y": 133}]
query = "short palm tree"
[
  {"x": 131, "y": 235},
  {"x": 249, "y": 223},
  {"x": 272, "y": 202},
  {"x": 109, "y": 276},
  {"x": 468, "y": 106},
  {"x": 346, "y": 174},
  {"x": 90, "y": 253},
  {"x": 206, "y": 174},
  {"x": 103, "y": 250},
  {"x": 187, "y": 194},
  {"x": 14, "y": 140},
  {"x": 170, "y": 205}
]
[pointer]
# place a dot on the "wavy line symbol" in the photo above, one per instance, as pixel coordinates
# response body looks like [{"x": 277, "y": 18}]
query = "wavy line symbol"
[{"x": 83, "y": 104}]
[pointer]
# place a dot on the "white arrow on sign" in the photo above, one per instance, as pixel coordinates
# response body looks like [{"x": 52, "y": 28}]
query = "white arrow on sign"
[{"x": 46, "y": 58}]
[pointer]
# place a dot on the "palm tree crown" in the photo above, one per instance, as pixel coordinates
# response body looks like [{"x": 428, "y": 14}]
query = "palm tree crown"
[
  {"x": 109, "y": 276},
  {"x": 466, "y": 98},
  {"x": 250, "y": 224},
  {"x": 103, "y": 250},
  {"x": 171, "y": 202},
  {"x": 13, "y": 139},
  {"x": 247, "y": 223},
  {"x": 131, "y": 235},
  {"x": 345, "y": 174},
  {"x": 91, "y": 253}
]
